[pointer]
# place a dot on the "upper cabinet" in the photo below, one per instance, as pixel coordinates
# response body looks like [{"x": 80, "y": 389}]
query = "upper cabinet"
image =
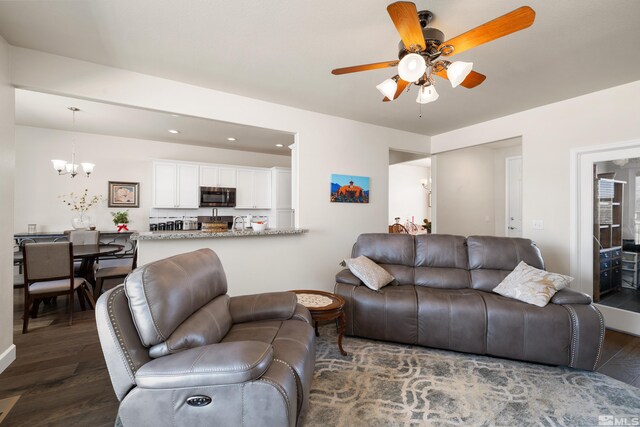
[
  {"x": 217, "y": 176},
  {"x": 253, "y": 188},
  {"x": 175, "y": 185}
]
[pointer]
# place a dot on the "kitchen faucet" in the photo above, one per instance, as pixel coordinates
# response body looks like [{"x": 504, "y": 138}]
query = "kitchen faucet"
[{"x": 234, "y": 222}]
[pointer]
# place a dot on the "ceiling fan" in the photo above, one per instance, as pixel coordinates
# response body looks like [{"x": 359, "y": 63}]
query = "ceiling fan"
[{"x": 422, "y": 48}]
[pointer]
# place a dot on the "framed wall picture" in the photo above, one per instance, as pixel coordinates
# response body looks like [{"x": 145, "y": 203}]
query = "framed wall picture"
[
  {"x": 349, "y": 189},
  {"x": 124, "y": 194}
]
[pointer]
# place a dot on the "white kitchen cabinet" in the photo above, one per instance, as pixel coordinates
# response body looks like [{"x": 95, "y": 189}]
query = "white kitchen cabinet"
[
  {"x": 253, "y": 188},
  {"x": 217, "y": 176},
  {"x": 175, "y": 185}
]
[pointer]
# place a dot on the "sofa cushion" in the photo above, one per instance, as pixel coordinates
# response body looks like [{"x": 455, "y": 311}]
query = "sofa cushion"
[
  {"x": 516, "y": 330},
  {"x": 163, "y": 294},
  {"x": 441, "y": 261},
  {"x": 371, "y": 274},
  {"x": 532, "y": 285},
  {"x": 453, "y": 319},
  {"x": 393, "y": 252},
  {"x": 491, "y": 259}
]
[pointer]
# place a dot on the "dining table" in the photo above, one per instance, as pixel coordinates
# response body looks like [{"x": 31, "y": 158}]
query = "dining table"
[{"x": 88, "y": 255}]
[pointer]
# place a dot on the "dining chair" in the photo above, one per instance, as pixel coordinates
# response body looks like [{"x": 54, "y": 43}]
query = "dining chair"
[
  {"x": 398, "y": 228},
  {"x": 48, "y": 272},
  {"x": 113, "y": 273},
  {"x": 84, "y": 237}
]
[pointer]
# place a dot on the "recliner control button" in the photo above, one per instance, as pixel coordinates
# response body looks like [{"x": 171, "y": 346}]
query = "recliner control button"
[{"x": 198, "y": 401}]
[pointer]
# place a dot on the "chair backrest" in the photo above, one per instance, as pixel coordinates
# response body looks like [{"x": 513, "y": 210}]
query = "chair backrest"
[
  {"x": 47, "y": 261},
  {"x": 84, "y": 237},
  {"x": 398, "y": 228}
]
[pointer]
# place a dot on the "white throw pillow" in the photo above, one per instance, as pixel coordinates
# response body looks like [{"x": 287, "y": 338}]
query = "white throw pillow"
[
  {"x": 371, "y": 274},
  {"x": 531, "y": 285}
]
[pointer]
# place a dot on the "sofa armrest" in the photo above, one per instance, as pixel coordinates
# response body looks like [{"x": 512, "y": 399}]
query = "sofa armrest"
[
  {"x": 214, "y": 364},
  {"x": 348, "y": 278},
  {"x": 268, "y": 306},
  {"x": 302, "y": 313},
  {"x": 569, "y": 296}
]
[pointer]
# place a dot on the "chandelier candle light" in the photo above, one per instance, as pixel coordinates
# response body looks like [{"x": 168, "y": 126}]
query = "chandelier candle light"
[{"x": 65, "y": 168}]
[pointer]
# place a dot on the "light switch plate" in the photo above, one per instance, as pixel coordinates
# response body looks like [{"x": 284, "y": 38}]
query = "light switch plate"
[{"x": 537, "y": 224}]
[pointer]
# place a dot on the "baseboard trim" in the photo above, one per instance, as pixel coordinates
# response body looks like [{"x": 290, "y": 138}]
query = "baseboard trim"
[{"x": 7, "y": 357}]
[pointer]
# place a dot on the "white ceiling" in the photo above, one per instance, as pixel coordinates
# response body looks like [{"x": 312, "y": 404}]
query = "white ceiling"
[
  {"x": 50, "y": 111},
  {"x": 283, "y": 50}
]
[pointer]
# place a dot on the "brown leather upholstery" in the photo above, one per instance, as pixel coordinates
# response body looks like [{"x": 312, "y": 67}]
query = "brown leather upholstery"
[
  {"x": 176, "y": 335},
  {"x": 449, "y": 303}
]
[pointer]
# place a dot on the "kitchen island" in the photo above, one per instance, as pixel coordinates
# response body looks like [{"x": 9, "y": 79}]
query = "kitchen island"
[{"x": 253, "y": 261}]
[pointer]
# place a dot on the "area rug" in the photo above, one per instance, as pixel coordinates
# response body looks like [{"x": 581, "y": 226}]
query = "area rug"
[{"x": 385, "y": 384}]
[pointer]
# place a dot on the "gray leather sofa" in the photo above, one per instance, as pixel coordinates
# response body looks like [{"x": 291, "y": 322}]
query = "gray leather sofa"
[
  {"x": 443, "y": 298},
  {"x": 182, "y": 352}
]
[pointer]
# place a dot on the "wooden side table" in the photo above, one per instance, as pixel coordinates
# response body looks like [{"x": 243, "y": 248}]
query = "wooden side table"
[{"x": 324, "y": 306}]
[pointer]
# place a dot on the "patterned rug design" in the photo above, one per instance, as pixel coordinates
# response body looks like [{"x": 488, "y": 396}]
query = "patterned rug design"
[{"x": 385, "y": 384}]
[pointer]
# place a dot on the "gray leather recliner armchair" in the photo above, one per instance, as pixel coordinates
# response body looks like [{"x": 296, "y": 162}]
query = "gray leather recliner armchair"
[{"x": 182, "y": 352}]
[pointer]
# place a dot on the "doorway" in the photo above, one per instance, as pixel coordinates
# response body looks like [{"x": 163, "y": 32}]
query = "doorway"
[
  {"x": 513, "y": 196},
  {"x": 595, "y": 199},
  {"x": 410, "y": 190}
]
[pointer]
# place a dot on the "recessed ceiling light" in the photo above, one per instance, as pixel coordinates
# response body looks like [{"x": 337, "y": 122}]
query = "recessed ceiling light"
[
  {"x": 279, "y": 145},
  {"x": 231, "y": 138},
  {"x": 173, "y": 131},
  {"x": 175, "y": 115}
]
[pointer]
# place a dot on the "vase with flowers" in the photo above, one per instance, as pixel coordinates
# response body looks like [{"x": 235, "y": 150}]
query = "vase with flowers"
[{"x": 80, "y": 204}]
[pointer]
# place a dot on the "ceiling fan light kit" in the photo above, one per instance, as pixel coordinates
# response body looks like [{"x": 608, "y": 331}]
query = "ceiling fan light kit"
[
  {"x": 458, "y": 71},
  {"x": 412, "y": 67},
  {"x": 422, "y": 47},
  {"x": 427, "y": 94},
  {"x": 388, "y": 88}
]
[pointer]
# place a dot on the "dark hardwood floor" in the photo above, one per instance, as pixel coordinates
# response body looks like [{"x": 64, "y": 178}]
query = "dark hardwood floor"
[{"x": 62, "y": 380}]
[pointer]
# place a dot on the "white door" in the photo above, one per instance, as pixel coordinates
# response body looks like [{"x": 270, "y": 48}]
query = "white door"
[
  {"x": 244, "y": 188},
  {"x": 164, "y": 185},
  {"x": 513, "y": 180},
  {"x": 262, "y": 189},
  {"x": 209, "y": 176},
  {"x": 227, "y": 177},
  {"x": 188, "y": 195}
]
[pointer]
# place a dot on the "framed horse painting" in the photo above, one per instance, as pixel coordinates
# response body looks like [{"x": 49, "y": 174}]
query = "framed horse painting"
[{"x": 349, "y": 189}]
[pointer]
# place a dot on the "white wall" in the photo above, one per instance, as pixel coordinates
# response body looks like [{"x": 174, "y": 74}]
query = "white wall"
[
  {"x": 7, "y": 146},
  {"x": 549, "y": 133},
  {"x": 326, "y": 145},
  {"x": 407, "y": 197},
  {"x": 38, "y": 185},
  {"x": 465, "y": 192}
]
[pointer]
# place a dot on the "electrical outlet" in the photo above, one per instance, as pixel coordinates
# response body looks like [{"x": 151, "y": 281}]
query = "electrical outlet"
[{"x": 537, "y": 224}]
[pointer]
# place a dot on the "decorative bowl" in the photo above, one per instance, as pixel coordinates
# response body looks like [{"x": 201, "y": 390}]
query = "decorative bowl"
[{"x": 259, "y": 226}]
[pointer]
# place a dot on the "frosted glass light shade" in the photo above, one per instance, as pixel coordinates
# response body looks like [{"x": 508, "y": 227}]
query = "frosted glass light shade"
[
  {"x": 388, "y": 88},
  {"x": 458, "y": 71},
  {"x": 71, "y": 168},
  {"x": 411, "y": 67},
  {"x": 87, "y": 167},
  {"x": 427, "y": 94},
  {"x": 59, "y": 165}
]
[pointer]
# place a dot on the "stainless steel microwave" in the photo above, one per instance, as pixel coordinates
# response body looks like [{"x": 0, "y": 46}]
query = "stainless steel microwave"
[{"x": 217, "y": 197}]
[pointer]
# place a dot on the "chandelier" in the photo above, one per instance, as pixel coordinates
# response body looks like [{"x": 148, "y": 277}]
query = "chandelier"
[{"x": 71, "y": 168}]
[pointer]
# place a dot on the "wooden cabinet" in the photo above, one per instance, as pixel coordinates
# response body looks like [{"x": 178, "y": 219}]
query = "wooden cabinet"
[
  {"x": 217, "y": 176},
  {"x": 607, "y": 233},
  {"x": 175, "y": 185},
  {"x": 253, "y": 188}
]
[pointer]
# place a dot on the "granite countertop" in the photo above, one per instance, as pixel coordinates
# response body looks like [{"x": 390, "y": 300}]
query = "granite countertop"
[{"x": 197, "y": 234}]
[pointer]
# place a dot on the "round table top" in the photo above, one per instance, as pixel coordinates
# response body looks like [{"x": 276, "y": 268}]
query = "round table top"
[
  {"x": 319, "y": 300},
  {"x": 88, "y": 251}
]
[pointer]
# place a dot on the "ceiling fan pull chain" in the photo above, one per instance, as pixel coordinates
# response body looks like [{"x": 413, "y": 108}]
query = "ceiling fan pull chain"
[{"x": 420, "y": 110}]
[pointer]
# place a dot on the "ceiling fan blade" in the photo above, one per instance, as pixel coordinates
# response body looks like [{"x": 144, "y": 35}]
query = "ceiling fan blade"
[
  {"x": 472, "y": 80},
  {"x": 513, "y": 21},
  {"x": 402, "y": 85},
  {"x": 405, "y": 17},
  {"x": 365, "y": 67}
]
